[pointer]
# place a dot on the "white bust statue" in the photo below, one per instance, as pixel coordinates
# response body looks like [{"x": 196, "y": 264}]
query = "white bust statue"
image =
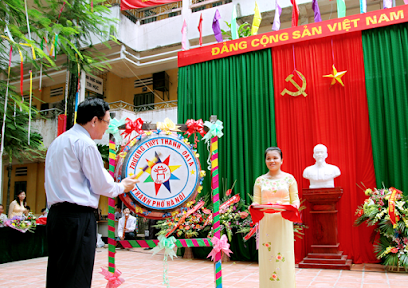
[{"x": 321, "y": 174}]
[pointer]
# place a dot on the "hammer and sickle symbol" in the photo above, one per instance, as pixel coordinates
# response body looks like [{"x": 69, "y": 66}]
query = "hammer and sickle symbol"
[{"x": 301, "y": 90}]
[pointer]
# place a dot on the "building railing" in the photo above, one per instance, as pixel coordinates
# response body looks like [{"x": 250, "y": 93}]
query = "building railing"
[
  {"x": 142, "y": 108},
  {"x": 50, "y": 113},
  {"x": 198, "y": 5}
]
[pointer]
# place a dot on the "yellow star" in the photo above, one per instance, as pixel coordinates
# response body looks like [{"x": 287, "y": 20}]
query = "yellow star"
[
  {"x": 336, "y": 76},
  {"x": 192, "y": 171}
]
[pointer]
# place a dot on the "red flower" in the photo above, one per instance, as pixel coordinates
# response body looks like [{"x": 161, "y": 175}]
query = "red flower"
[
  {"x": 360, "y": 213},
  {"x": 394, "y": 250},
  {"x": 229, "y": 191},
  {"x": 244, "y": 215}
]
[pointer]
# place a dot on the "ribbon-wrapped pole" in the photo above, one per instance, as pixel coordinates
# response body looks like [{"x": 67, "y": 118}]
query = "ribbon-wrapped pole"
[
  {"x": 214, "y": 133},
  {"x": 111, "y": 209},
  {"x": 29, "y": 107},
  {"x": 114, "y": 280},
  {"x": 220, "y": 245},
  {"x": 168, "y": 245}
]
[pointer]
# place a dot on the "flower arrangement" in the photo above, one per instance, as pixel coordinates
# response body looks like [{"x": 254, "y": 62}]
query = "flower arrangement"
[
  {"x": 23, "y": 223},
  {"x": 387, "y": 210}
]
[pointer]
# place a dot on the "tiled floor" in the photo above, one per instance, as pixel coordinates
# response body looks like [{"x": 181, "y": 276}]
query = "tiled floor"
[{"x": 141, "y": 269}]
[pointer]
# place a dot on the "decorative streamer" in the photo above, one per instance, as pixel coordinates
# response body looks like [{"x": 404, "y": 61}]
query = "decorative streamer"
[
  {"x": 295, "y": 13},
  {"x": 341, "y": 8},
  {"x": 21, "y": 74},
  {"x": 200, "y": 29},
  {"x": 40, "y": 84},
  {"x": 66, "y": 88},
  {"x": 276, "y": 20},
  {"x": 216, "y": 26},
  {"x": 56, "y": 44},
  {"x": 256, "y": 22},
  {"x": 405, "y": 1},
  {"x": 363, "y": 6},
  {"x": 91, "y": 5},
  {"x": 62, "y": 8},
  {"x": 114, "y": 279},
  {"x": 184, "y": 36},
  {"x": 387, "y": 4},
  {"x": 28, "y": 24},
  {"x": 195, "y": 242},
  {"x": 3, "y": 128},
  {"x": 29, "y": 109},
  {"x": 234, "y": 30},
  {"x": 216, "y": 207},
  {"x": 316, "y": 10}
]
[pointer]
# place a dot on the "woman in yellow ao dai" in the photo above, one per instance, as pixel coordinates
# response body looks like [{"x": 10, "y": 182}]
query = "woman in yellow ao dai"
[{"x": 276, "y": 238}]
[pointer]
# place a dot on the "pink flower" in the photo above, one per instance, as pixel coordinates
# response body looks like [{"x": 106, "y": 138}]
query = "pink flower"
[
  {"x": 274, "y": 276},
  {"x": 394, "y": 250}
]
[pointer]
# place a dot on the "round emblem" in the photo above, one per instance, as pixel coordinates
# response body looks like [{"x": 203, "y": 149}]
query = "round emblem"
[{"x": 169, "y": 174}]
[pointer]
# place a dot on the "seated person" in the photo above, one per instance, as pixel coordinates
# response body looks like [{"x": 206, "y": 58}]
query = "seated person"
[
  {"x": 118, "y": 212},
  {"x": 43, "y": 213},
  {"x": 3, "y": 217},
  {"x": 126, "y": 226}
]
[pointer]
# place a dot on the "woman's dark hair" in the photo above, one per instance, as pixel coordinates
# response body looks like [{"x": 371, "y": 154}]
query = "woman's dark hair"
[
  {"x": 18, "y": 199},
  {"x": 90, "y": 108},
  {"x": 274, "y": 149}
]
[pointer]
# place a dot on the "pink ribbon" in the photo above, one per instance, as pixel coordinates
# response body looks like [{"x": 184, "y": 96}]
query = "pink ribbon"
[
  {"x": 219, "y": 245},
  {"x": 113, "y": 278}
]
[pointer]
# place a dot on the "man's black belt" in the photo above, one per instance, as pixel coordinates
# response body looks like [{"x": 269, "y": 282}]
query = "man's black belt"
[{"x": 72, "y": 207}]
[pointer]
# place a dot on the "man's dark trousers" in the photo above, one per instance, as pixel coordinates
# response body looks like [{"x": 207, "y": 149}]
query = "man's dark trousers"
[{"x": 71, "y": 234}]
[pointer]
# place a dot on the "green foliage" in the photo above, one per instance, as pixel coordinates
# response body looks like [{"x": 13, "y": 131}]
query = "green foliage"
[
  {"x": 244, "y": 30},
  {"x": 104, "y": 150}
]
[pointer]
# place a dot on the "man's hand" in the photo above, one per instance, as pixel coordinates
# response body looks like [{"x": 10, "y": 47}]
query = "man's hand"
[{"x": 129, "y": 182}]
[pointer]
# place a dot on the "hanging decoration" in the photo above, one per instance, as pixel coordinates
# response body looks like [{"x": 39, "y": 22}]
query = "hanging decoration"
[
  {"x": 336, "y": 76},
  {"x": 184, "y": 35},
  {"x": 316, "y": 10},
  {"x": 387, "y": 4},
  {"x": 234, "y": 30},
  {"x": 200, "y": 29},
  {"x": 216, "y": 26},
  {"x": 3, "y": 128},
  {"x": 257, "y": 20},
  {"x": 341, "y": 8},
  {"x": 301, "y": 90},
  {"x": 363, "y": 6},
  {"x": 295, "y": 13},
  {"x": 29, "y": 110}
]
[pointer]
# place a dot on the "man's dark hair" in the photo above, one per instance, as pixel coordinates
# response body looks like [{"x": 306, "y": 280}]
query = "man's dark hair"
[
  {"x": 42, "y": 210},
  {"x": 90, "y": 108},
  {"x": 1, "y": 205}
]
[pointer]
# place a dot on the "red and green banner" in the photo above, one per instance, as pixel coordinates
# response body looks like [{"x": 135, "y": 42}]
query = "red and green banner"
[
  {"x": 313, "y": 31},
  {"x": 363, "y": 123},
  {"x": 136, "y": 4}
]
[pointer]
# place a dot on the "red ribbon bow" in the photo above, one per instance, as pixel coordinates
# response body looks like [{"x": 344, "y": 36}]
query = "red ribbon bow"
[
  {"x": 133, "y": 126},
  {"x": 195, "y": 126},
  {"x": 113, "y": 278}
]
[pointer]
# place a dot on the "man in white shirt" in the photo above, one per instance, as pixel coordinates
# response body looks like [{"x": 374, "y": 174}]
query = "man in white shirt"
[
  {"x": 127, "y": 226},
  {"x": 74, "y": 179}
]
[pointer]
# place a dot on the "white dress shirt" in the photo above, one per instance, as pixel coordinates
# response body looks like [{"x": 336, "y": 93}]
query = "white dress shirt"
[
  {"x": 130, "y": 225},
  {"x": 74, "y": 171}
]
